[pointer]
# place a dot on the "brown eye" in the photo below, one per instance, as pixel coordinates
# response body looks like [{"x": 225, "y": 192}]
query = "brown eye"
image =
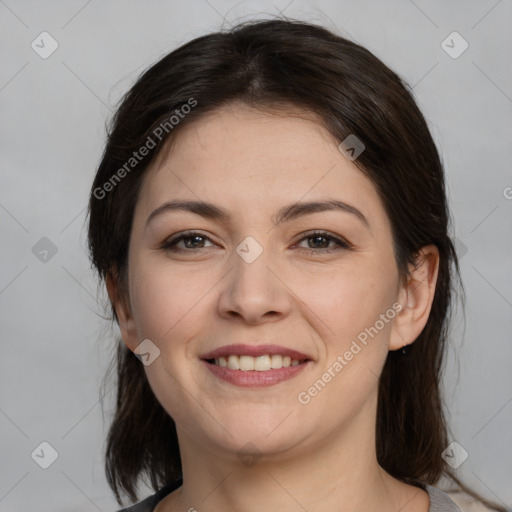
[
  {"x": 190, "y": 241},
  {"x": 321, "y": 240}
]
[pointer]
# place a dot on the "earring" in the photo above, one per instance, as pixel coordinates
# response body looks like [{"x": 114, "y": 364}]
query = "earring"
[{"x": 405, "y": 349}]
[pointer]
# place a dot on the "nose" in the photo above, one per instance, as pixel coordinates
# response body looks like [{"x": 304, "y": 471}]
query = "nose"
[{"x": 253, "y": 291}]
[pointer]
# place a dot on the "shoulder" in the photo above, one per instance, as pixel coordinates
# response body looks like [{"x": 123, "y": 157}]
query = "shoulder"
[
  {"x": 149, "y": 504},
  {"x": 456, "y": 501},
  {"x": 146, "y": 505},
  {"x": 440, "y": 501},
  {"x": 467, "y": 504}
]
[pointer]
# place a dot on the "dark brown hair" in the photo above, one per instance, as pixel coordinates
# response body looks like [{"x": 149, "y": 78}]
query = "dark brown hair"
[{"x": 271, "y": 65}]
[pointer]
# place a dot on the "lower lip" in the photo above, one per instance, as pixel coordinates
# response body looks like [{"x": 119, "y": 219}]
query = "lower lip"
[{"x": 253, "y": 378}]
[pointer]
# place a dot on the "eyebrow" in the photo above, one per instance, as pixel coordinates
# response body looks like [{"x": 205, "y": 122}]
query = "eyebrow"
[{"x": 285, "y": 214}]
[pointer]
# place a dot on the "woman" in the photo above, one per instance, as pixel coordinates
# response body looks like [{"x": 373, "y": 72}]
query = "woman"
[{"x": 270, "y": 220}]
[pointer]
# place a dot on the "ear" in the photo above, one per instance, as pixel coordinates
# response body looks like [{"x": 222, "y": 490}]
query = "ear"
[
  {"x": 416, "y": 297},
  {"x": 121, "y": 302}
]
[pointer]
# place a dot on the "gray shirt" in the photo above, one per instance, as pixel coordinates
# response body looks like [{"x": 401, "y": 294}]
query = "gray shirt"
[{"x": 439, "y": 500}]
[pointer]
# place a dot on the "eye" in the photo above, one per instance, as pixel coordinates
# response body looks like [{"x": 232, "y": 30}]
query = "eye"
[
  {"x": 324, "y": 239},
  {"x": 192, "y": 240}
]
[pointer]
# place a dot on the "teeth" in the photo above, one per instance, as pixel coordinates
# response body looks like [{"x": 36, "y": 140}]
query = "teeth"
[
  {"x": 246, "y": 363},
  {"x": 262, "y": 363},
  {"x": 233, "y": 363},
  {"x": 259, "y": 364},
  {"x": 276, "y": 361}
]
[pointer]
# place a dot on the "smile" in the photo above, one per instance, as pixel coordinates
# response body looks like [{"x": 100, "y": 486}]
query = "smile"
[
  {"x": 245, "y": 377},
  {"x": 262, "y": 363}
]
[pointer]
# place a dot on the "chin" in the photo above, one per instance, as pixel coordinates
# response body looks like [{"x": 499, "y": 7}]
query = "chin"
[{"x": 268, "y": 433}]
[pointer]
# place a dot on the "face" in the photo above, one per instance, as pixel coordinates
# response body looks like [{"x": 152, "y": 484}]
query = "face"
[{"x": 321, "y": 282}]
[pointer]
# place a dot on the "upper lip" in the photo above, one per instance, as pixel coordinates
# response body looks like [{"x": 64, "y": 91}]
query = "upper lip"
[{"x": 254, "y": 351}]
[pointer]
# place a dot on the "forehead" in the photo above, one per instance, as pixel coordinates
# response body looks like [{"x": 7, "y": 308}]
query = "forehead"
[
  {"x": 235, "y": 134},
  {"x": 251, "y": 159}
]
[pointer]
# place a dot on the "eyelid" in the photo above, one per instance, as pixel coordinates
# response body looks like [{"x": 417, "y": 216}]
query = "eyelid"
[
  {"x": 174, "y": 239},
  {"x": 341, "y": 243}
]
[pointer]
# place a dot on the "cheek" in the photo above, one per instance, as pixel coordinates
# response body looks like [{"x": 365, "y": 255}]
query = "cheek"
[
  {"x": 347, "y": 300},
  {"x": 355, "y": 337},
  {"x": 162, "y": 298},
  {"x": 169, "y": 309}
]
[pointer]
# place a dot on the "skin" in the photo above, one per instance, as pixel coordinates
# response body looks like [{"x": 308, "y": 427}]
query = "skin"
[{"x": 319, "y": 456}]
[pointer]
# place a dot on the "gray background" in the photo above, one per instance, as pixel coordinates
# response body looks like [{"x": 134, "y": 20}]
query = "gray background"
[{"x": 55, "y": 347}]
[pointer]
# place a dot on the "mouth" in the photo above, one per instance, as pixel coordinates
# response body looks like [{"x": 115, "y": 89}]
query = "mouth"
[
  {"x": 262, "y": 363},
  {"x": 255, "y": 366}
]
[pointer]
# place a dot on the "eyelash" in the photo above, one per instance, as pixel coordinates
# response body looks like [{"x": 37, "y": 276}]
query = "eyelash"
[{"x": 171, "y": 244}]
